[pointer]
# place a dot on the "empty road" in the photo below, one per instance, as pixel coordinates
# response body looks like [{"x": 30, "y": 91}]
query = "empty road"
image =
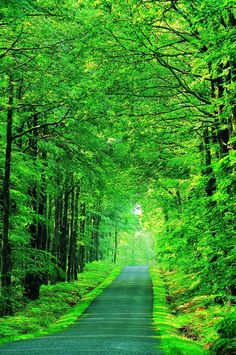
[{"x": 119, "y": 321}]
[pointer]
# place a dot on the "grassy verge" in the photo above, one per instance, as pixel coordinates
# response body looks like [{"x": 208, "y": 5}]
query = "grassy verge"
[
  {"x": 59, "y": 305},
  {"x": 168, "y": 324},
  {"x": 209, "y": 319}
]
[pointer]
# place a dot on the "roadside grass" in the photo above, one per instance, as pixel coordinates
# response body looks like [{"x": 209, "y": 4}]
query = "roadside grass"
[
  {"x": 209, "y": 319},
  {"x": 168, "y": 324},
  {"x": 59, "y": 305}
]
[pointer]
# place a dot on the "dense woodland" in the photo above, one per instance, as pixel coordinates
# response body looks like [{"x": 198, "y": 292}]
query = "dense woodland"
[{"x": 105, "y": 104}]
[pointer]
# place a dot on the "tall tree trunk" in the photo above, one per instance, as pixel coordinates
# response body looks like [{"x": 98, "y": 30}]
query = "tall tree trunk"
[
  {"x": 6, "y": 257},
  {"x": 115, "y": 246},
  {"x": 94, "y": 251},
  {"x": 49, "y": 223},
  {"x": 57, "y": 226},
  {"x": 82, "y": 250},
  {"x": 38, "y": 228},
  {"x": 90, "y": 252},
  {"x": 63, "y": 242},
  {"x": 32, "y": 279},
  {"x": 71, "y": 251},
  {"x": 223, "y": 133},
  {"x": 42, "y": 229},
  {"x": 208, "y": 171},
  {"x": 42, "y": 208},
  {"x": 76, "y": 225}
]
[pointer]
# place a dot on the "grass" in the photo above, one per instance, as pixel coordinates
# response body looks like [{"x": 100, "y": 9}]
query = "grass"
[
  {"x": 168, "y": 324},
  {"x": 188, "y": 320},
  {"x": 59, "y": 305}
]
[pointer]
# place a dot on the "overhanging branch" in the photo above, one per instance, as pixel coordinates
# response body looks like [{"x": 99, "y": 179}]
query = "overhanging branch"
[{"x": 40, "y": 126}]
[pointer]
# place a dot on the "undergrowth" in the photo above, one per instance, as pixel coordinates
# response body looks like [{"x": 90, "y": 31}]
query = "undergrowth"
[
  {"x": 191, "y": 323},
  {"x": 167, "y": 324},
  {"x": 59, "y": 305}
]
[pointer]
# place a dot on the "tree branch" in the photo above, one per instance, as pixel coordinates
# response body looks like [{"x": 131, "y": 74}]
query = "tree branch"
[{"x": 40, "y": 126}]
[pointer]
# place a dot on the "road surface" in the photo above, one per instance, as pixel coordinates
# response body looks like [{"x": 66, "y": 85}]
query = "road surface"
[{"x": 119, "y": 321}]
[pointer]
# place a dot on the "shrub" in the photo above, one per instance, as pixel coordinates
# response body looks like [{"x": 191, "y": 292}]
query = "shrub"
[{"x": 226, "y": 343}]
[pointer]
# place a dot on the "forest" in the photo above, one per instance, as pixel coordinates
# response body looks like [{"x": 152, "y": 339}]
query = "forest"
[{"x": 110, "y": 104}]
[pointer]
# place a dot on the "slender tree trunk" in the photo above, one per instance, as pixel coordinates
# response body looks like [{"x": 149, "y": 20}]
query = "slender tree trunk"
[
  {"x": 6, "y": 257},
  {"x": 223, "y": 133},
  {"x": 91, "y": 245},
  {"x": 95, "y": 239},
  {"x": 57, "y": 226},
  {"x": 76, "y": 226},
  {"x": 58, "y": 203},
  {"x": 42, "y": 208},
  {"x": 71, "y": 250},
  {"x": 208, "y": 171},
  {"x": 49, "y": 223},
  {"x": 63, "y": 243},
  {"x": 94, "y": 250},
  {"x": 32, "y": 279},
  {"x": 115, "y": 245},
  {"x": 38, "y": 228},
  {"x": 42, "y": 229},
  {"x": 82, "y": 250}
]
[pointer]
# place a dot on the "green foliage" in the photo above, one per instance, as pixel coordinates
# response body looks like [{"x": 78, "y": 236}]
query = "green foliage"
[
  {"x": 226, "y": 343},
  {"x": 194, "y": 316},
  {"x": 141, "y": 108}
]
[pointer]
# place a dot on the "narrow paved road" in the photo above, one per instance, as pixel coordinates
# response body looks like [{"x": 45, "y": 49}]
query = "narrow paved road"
[{"x": 119, "y": 321}]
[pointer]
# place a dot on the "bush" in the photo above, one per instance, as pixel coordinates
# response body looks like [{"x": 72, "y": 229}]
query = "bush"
[{"x": 226, "y": 343}]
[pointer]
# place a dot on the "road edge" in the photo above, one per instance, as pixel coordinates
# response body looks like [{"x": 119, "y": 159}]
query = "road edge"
[{"x": 72, "y": 316}]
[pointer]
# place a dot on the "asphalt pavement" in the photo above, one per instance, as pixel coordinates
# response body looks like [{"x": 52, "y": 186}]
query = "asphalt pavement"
[{"x": 119, "y": 321}]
